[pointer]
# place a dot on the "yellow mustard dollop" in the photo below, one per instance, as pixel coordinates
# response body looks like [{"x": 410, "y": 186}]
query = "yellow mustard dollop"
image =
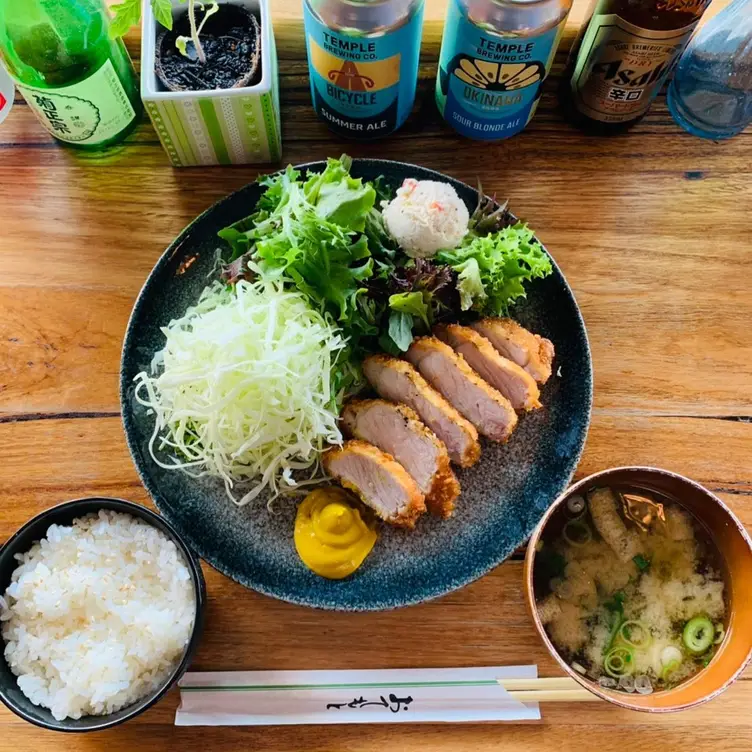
[{"x": 331, "y": 537}]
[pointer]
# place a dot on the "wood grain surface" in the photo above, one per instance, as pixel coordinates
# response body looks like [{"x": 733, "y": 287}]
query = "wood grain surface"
[{"x": 652, "y": 229}]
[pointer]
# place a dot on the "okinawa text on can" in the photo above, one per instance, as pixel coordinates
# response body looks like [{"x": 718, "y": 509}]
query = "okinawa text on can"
[{"x": 495, "y": 56}]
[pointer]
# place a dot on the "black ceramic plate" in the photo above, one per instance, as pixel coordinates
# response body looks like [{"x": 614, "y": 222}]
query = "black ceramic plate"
[{"x": 503, "y": 496}]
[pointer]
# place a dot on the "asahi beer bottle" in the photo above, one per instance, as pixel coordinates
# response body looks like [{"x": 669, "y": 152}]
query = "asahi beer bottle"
[
  {"x": 495, "y": 56},
  {"x": 622, "y": 57},
  {"x": 363, "y": 62}
]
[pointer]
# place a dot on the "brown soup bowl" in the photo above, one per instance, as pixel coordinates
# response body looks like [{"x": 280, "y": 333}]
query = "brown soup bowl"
[{"x": 736, "y": 548}]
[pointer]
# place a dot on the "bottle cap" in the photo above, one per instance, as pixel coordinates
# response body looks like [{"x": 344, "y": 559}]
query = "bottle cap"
[{"x": 7, "y": 91}]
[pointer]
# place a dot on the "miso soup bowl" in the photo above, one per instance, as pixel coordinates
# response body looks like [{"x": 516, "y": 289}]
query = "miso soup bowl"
[{"x": 736, "y": 548}]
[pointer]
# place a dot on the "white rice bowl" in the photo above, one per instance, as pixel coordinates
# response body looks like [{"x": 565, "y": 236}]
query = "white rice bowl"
[
  {"x": 97, "y": 615},
  {"x": 426, "y": 216}
]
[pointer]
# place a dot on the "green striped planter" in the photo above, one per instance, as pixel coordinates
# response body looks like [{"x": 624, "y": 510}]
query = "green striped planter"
[{"x": 233, "y": 126}]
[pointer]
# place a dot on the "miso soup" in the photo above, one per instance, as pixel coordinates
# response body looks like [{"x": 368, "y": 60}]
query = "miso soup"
[{"x": 630, "y": 588}]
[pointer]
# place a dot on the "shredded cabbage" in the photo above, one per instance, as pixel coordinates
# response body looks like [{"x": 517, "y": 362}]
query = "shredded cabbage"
[{"x": 243, "y": 389}]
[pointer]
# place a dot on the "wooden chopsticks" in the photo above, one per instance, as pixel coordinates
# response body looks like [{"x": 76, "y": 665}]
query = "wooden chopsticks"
[{"x": 561, "y": 689}]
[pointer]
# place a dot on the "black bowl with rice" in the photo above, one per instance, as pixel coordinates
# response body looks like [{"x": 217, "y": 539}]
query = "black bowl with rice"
[{"x": 101, "y": 611}]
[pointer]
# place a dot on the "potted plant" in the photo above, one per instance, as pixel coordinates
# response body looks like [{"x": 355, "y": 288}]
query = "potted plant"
[{"x": 208, "y": 78}]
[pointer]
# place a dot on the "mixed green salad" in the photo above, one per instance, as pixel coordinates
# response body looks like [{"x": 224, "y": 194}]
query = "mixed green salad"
[
  {"x": 325, "y": 234},
  {"x": 251, "y": 379}
]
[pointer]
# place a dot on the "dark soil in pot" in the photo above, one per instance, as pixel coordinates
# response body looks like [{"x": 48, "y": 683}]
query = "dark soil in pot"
[{"x": 231, "y": 39}]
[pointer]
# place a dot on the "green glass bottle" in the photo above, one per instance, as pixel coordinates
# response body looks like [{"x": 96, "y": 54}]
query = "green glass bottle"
[{"x": 79, "y": 82}]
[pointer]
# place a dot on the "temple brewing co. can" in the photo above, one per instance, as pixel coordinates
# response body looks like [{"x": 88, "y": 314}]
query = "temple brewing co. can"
[
  {"x": 495, "y": 56},
  {"x": 363, "y": 62}
]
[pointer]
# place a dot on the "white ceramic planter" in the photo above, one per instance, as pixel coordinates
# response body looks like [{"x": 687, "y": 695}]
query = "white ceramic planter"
[{"x": 228, "y": 126}]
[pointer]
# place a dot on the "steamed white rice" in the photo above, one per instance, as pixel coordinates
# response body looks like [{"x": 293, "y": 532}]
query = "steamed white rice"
[
  {"x": 97, "y": 615},
  {"x": 426, "y": 216}
]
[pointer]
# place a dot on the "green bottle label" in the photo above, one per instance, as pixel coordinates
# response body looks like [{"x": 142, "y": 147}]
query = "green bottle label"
[{"x": 89, "y": 112}]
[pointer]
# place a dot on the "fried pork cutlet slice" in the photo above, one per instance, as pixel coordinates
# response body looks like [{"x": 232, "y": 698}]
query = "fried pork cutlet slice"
[
  {"x": 378, "y": 479},
  {"x": 490, "y": 412},
  {"x": 512, "y": 380},
  {"x": 397, "y": 430},
  {"x": 531, "y": 351},
  {"x": 397, "y": 381}
]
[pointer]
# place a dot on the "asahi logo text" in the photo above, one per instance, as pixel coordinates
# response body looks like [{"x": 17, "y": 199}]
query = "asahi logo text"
[{"x": 617, "y": 72}]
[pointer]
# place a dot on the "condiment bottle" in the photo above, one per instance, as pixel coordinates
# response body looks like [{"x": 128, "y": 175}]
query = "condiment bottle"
[
  {"x": 622, "y": 57},
  {"x": 363, "y": 62},
  {"x": 78, "y": 81},
  {"x": 711, "y": 92},
  {"x": 495, "y": 56}
]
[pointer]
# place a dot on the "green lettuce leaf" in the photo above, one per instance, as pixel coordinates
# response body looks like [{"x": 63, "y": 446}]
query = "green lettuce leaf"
[
  {"x": 310, "y": 232},
  {"x": 278, "y": 188},
  {"x": 322, "y": 260},
  {"x": 323, "y": 233},
  {"x": 469, "y": 284},
  {"x": 413, "y": 303},
  {"x": 409, "y": 311},
  {"x": 339, "y": 197},
  {"x": 500, "y": 264},
  {"x": 401, "y": 329},
  {"x": 237, "y": 239}
]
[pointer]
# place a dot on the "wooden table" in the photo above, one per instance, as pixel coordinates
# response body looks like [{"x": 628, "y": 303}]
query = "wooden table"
[{"x": 652, "y": 230}]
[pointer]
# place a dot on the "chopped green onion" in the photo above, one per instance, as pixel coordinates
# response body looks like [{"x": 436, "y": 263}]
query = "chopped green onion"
[
  {"x": 619, "y": 662},
  {"x": 671, "y": 658},
  {"x": 616, "y": 619},
  {"x": 669, "y": 669},
  {"x": 616, "y": 607},
  {"x": 635, "y": 634},
  {"x": 577, "y": 533},
  {"x": 720, "y": 633},
  {"x": 707, "y": 658},
  {"x": 698, "y": 635},
  {"x": 641, "y": 562},
  {"x": 550, "y": 563},
  {"x": 576, "y": 505},
  {"x": 617, "y": 602},
  {"x": 671, "y": 654}
]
